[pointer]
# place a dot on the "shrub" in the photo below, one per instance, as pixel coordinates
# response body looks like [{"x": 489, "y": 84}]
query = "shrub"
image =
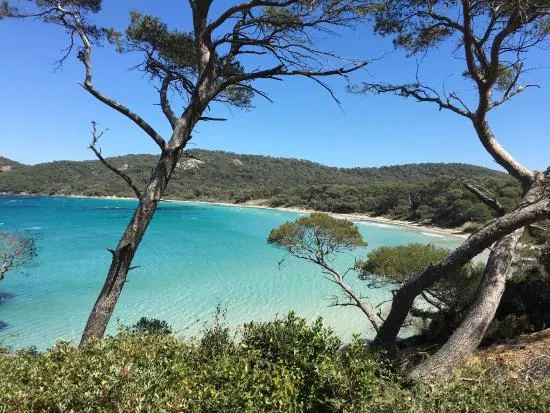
[
  {"x": 285, "y": 365},
  {"x": 525, "y": 304},
  {"x": 151, "y": 326}
]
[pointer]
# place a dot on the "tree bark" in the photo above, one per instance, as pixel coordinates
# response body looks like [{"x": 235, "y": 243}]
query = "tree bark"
[
  {"x": 534, "y": 207},
  {"x": 127, "y": 247},
  {"x": 469, "y": 334},
  {"x": 525, "y": 176}
]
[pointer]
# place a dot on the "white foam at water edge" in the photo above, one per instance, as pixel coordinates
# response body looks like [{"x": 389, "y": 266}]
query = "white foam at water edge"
[
  {"x": 431, "y": 234},
  {"x": 375, "y": 224},
  {"x": 33, "y": 228}
]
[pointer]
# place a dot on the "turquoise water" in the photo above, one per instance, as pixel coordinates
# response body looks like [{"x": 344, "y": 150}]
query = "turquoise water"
[{"x": 193, "y": 257}]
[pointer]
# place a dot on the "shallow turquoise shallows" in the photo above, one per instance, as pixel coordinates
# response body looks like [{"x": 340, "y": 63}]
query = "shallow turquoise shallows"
[{"x": 193, "y": 257}]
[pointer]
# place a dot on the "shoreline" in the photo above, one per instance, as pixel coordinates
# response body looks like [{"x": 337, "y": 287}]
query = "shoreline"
[{"x": 358, "y": 217}]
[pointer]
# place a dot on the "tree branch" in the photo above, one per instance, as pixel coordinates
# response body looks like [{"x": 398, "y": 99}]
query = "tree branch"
[
  {"x": 419, "y": 92},
  {"x": 508, "y": 95},
  {"x": 97, "y": 152},
  {"x": 486, "y": 197},
  {"x": 84, "y": 56},
  {"x": 165, "y": 103},
  {"x": 246, "y": 7},
  {"x": 339, "y": 280}
]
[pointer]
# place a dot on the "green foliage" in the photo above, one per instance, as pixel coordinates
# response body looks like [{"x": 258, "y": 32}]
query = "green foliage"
[
  {"x": 482, "y": 388},
  {"x": 316, "y": 236},
  {"x": 291, "y": 340},
  {"x": 6, "y": 9},
  {"x": 280, "y": 366},
  {"x": 151, "y": 326},
  {"x": 525, "y": 304},
  {"x": 172, "y": 54},
  {"x": 176, "y": 49},
  {"x": 402, "y": 262},
  {"x": 447, "y": 299},
  {"x": 409, "y": 24},
  {"x": 507, "y": 327},
  {"x": 425, "y": 193}
]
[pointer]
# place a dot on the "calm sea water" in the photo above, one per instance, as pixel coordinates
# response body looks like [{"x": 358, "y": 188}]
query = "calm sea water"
[{"x": 193, "y": 257}]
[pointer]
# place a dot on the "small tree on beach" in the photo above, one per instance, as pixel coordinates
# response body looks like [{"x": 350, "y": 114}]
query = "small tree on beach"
[
  {"x": 318, "y": 238},
  {"x": 214, "y": 57},
  {"x": 493, "y": 39},
  {"x": 16, "y": 251}
]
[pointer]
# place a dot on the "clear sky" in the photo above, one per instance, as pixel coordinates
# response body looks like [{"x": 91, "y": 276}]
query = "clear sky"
[{"x": 45, "y": 115}]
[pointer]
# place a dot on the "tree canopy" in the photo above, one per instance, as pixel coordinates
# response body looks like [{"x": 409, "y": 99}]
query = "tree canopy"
[{"x": 317, "y": 236}]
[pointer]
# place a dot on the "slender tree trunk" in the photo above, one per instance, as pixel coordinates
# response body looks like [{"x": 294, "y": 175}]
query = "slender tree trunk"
[
  {"x": 358, "y": 302},
  {"x": 128, "y": 245},
  {"x": 534, "y": 207},
  {"x": 469, "y": 334},
  {"x": 525, "y": 176}
]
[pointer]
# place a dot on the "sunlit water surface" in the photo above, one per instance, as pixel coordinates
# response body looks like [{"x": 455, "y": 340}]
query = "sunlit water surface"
[{"x": 193, "y": 257}]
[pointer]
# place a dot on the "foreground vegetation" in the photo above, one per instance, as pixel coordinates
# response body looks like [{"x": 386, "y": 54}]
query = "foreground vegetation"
[
  {"x": 209, "y": 64},
  {"x": 280, "y": 366},
  {"x": 427, "y": 193}
]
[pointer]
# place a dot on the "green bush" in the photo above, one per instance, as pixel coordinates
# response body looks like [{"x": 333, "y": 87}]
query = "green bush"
[
  {"x": 525, "y": 304},
  {"x": 151, "y": 326},
  {"x": 284, "y": 365},
  {"x": 280, "y": 366}
]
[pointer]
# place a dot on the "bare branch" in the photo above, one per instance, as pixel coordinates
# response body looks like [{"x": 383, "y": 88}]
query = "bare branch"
[
  {"x": 508, "y": 95},
  {"x": 165, "y": 103},
  {"x": 95, "y": 138},
  {"x": 84, "y": 56},
  {"x": 486, "y": 197},
  {"x": 346, "y": 289},
  {"x": 245, "y": 7},
  {"x": 420, "y": 92},
  {"x": 282, "y": 71},
  {"x": 211, "y": 119},
  {"x": 433, "y": 303}
]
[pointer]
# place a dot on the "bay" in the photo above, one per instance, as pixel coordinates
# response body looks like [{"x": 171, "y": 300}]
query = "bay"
[{"x": 193, "y": 258}]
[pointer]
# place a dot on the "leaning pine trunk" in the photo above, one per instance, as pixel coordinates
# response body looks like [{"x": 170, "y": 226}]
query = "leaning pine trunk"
[
  {"x": 469, "y": 334},
  {"x": 534, "y": 207},
  {"x": 127, "y": 247}
]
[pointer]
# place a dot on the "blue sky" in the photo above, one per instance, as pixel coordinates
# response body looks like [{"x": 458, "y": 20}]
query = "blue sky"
[{"x": 45, "y": 115}]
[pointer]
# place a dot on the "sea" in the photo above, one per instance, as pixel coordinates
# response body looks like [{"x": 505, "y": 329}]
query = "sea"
[{"x": 194, "y": 259}]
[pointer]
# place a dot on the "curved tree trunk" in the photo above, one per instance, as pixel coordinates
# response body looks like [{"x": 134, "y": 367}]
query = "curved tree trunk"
[
  {"x": 127, "y": 247},
  {"x": 533, "y": 207},
  {"x": 469, "y": 334}
]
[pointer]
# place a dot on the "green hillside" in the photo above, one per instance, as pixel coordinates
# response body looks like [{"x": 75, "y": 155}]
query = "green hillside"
[
  {"x": 7, "y": 165},
  {"x": 420, "y": 192}
]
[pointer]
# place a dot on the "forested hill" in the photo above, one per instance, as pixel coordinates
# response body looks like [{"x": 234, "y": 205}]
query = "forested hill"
[
  {"x": 7, "y": 164},
  {"x": 426, "y": 192}
]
